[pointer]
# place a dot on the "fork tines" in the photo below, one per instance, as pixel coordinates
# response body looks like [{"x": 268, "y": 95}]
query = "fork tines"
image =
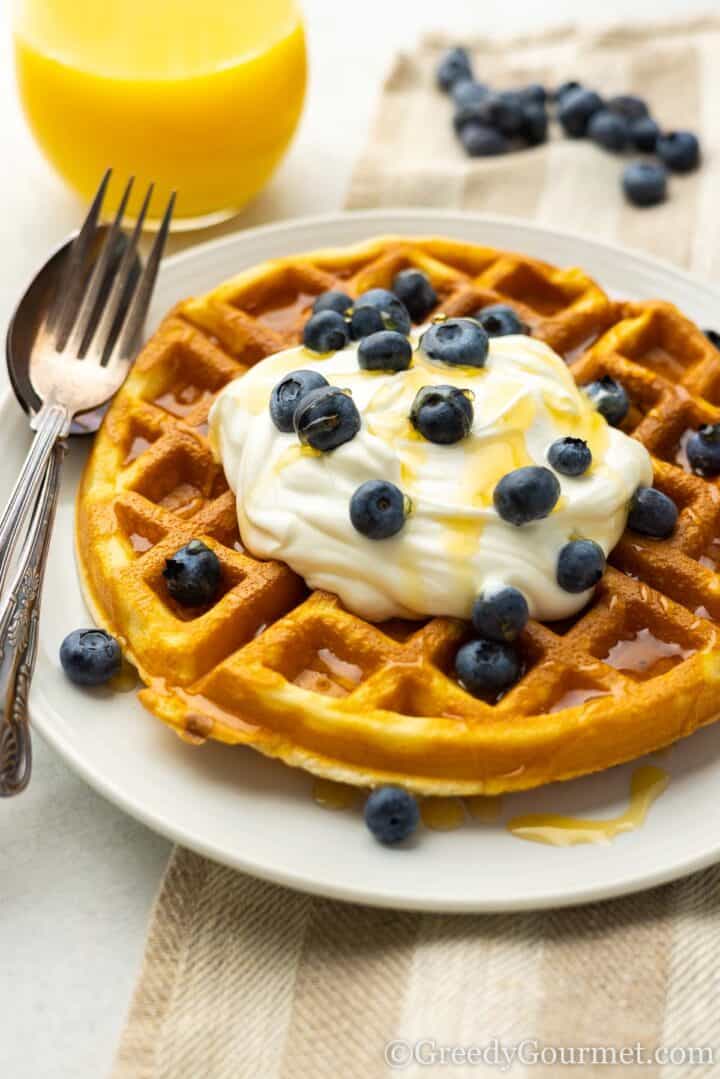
[{"x": 104, "y": 294}]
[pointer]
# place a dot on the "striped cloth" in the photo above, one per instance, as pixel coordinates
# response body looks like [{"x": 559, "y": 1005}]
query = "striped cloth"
[{"x": 245, "y": 979}]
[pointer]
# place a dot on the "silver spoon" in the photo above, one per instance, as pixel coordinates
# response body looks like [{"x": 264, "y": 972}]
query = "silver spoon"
[{"x": 74, "y": 344}]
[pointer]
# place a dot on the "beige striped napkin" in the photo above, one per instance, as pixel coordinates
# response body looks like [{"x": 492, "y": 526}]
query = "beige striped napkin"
[{"x": 244, "y": 979}]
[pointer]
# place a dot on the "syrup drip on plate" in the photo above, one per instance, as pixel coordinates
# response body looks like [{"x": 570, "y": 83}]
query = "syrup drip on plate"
[
  {"x": 126, "y": 680},
  {"x": 646, "y": 785},
  {"x": 333, "y": 795},
  {"x": 442, "y": 814}
]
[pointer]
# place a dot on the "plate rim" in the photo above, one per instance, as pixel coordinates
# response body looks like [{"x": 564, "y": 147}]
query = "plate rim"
[{"x": 269, "y": 871}]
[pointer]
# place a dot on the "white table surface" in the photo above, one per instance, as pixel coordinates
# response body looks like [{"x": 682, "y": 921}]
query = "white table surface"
[{"x": 77, "y": 877}]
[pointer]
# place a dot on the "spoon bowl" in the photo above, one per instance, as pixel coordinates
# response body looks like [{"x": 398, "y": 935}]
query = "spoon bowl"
[{"x": 30, "y": 314}]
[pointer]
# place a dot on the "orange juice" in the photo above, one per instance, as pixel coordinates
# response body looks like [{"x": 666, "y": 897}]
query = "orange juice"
[{"x": 201, "y": 96}]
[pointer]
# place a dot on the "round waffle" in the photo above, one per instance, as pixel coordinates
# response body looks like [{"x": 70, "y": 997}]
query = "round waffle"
[{"x": 298, "y": 677}]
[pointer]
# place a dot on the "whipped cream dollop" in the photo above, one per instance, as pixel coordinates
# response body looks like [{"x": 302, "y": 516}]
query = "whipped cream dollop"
[{"x": 293, "y": 502}]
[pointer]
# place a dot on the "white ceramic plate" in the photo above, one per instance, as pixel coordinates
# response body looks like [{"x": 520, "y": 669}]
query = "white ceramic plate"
[{"x": 256, "y": 815}]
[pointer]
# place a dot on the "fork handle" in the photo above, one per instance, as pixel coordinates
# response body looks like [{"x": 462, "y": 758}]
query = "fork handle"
[
  {"x": 50, "y": 423},
  {"x": 19, "y": 615}
]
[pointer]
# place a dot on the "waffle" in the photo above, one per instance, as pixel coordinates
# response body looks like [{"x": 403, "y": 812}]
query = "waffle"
[{"x": 298, "y": 677}]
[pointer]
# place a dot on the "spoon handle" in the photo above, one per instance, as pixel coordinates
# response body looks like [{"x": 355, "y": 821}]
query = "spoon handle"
[
  {"x": 19, "y": 613},
  {"x": 52, "y": 421}
]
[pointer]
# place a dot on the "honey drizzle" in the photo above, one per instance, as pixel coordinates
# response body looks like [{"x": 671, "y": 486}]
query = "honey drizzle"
[
  {"x": 484, "y": 807},
  {"x": 332, "y": 795},
  {"x": 442, "y": 814},
  {"x": 646, "y": 785}
]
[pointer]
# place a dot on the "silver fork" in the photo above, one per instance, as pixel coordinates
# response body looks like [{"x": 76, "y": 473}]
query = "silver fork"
[{"x": 81, "y": 358}]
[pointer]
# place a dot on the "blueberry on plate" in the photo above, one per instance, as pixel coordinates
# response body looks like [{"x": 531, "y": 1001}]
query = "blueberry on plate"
[
  {"x": 644, "y": 134},
  {"x": 500, "y": 615},
  {"x": 713, "y": 337},
  {"x": 326, "y": 418},
  {"x": 442, "y": 414},
  {"x": 395, "y": 313},
  {"x": 500, "y": 320},
  {"x": 610, "y": 399},
  {"x": 652, "y": 513},
  {"x": 479, "y": 140},
  {"x": 326, "y": 332},
  {"x": 526, "y": 494},
  {"x": 288, "y": 393},
  {"x": 703, "y": 450},
  {"x": 193, "y": 575},
  {"x": 469, "y": 92},
  {"x": 609, "y": 130},
  {"x": 566, "y": 88},
  {"x": 535, "y": 125},
  {"x": 391, "y": 814},
  {"x": 461, "y": 342},
  {"x": 629, "y": 106},
  {"x": 378, "y": 509},
  {"x": 415, "y": 290},
  {"x": 386, "y": 350},
  {"x": 487, "y": 667},
  {"x": 90, "y": 657},
  {"x": 570, "y": 456},
  {"x": 332, "y": 300},
  {"x": 645, "y": 183},
  {"x": 364, "y": 321},
  {"x": 580, "y": 565},
  {"x": 575, "y": 109},
  {"x": 454, "y": 66},
  {"x": 679, "y": 150}
]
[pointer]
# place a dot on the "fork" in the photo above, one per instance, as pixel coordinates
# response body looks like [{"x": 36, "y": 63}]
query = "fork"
[{"x": 81, "y": 358}]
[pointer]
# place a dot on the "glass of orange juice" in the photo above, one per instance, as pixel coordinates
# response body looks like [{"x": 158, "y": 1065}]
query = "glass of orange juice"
[{"x": 198, "y": 96}]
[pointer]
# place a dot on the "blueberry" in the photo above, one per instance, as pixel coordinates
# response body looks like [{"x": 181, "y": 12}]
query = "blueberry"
[
  {"x": 385, "y": 351},
  {"x": 391, "y": 814},
  {"x": 713, "y": 337},
  {"x": 454, "y": 66},
  {"x": 90, "y": 657},
  {"x": 325, "y": 332},
  {"x": 703, "y": 450},
  {"x": 628, "y": 106},
  {"x": 415, "y": 290},
  {"x": 610, "y": 399},
  {"x": 469, "y": 92},
  {"x": 500, "y": 320},
  {"x": 535, "y": 124},
  {"x": 481, "y": 141},
  {"x": 458, "y": 341},
  {"x": 652, "y": 513},
  {"x": 193, "y": 575},
  {"x": 566, "y": 88},
  {"x": 364, "y": 321},
  {"x": 533, "y": 94},
  {"x": 526, "y": 494},
  {"x": 442, "y": 414},
  {"x": 609, "y": 130},
  {"x": 679, "y": 150},
  {"x": 394, "y": 312},
  {"x": 575, "y": 109},
  {"x": 487, "y": 667},
  {"x": 503, "y": 112},
  {"x": 378, "y": 509},
  {"x": 332, "y": 300},
  {"x": 326, "y": 418},
  {"x": 644, "y": 134},
  {"x": 570, "y": 456},
  {"x": 580, "y": 565},
  {"x": 645, "y": 183},
  {"x": 500, "y": 615},
  {"x": 287, "y": 394}
]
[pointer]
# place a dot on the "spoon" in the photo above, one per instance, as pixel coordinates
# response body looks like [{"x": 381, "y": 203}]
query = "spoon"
[{"x": 31, "y": 313}]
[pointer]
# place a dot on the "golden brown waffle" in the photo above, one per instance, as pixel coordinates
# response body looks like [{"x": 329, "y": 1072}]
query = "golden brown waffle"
[{"x": 298, "y": 677}]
